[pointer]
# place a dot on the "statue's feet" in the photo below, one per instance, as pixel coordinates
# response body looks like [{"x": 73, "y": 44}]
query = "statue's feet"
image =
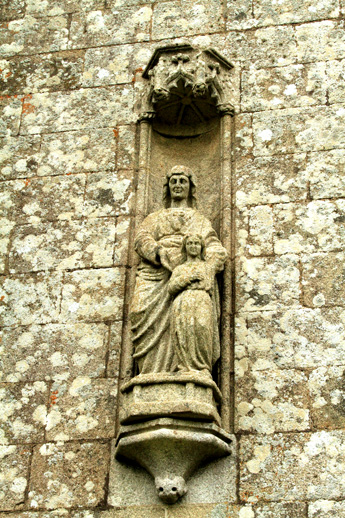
[{"x": 203, "y": 372}]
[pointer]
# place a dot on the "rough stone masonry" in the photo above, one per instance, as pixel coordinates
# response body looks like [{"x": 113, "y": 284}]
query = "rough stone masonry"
[{"x": 70, "y": 86}]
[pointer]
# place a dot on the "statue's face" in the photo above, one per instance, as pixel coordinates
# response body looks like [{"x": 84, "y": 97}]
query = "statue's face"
[
  {"x": 179, "y": 186},
  {"x": 193, "y": 246}
]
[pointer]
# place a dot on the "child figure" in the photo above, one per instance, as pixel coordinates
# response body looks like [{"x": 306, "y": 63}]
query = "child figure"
[{"x": 193, "y": 324}]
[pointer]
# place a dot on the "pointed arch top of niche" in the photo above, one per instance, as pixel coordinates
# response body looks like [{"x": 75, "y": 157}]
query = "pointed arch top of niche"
[{"x": 188, "y": 90}]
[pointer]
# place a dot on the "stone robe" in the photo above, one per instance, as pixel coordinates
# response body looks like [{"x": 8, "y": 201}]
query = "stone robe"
[
  {"x": 151, "y": 305},
  {"x": 194, "y": 331}
]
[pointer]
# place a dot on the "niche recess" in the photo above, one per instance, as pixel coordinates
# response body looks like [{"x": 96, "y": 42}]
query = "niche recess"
[{"x": 186, "y": 119}]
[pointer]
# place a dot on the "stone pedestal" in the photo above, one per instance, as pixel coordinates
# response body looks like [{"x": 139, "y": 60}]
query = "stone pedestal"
[
  {"x": 182, "y": 395},
  {"x": 170, "y": 427}
]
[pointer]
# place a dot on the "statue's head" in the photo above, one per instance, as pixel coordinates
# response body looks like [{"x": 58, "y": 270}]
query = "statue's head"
[
  {"x": 180, "y": 182},
  {"x": 193, "y": 245}
]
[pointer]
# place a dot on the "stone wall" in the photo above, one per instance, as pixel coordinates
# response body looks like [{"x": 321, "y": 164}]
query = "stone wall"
[{"x": 71, "y": 82}]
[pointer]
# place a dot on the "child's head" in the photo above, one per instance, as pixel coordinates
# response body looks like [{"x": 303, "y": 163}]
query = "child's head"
[{"x": 193, "y": 245}]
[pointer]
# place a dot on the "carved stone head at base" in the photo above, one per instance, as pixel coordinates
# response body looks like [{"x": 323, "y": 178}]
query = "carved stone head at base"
[{"x": 170, "y": 488}]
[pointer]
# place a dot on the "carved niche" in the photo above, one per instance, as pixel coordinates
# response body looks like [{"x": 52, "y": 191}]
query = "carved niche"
[
  {"x": 175, "y": 360},
  {"x": 187, "y": 86}
]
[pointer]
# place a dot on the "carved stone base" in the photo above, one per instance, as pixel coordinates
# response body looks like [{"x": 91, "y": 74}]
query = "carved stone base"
[
  {"x": 183, "y": 395},
  {"x": 171, "y": 450}
]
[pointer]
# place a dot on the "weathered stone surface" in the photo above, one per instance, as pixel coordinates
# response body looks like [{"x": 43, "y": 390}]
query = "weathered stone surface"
[
  {"x": 58, "y": 513},
  {"x": 277, "y": 179},
  {"x": 6, "y": 228},
  {"x": 267, "y": 283},
  {"x": 280, "y": 510},
  {"x": 284, "y": 131},
  {"x": 84, "y": 408},
  {"x": 115, "y": 342},
  {"x": 29, "y": 35},
  {"x": 115, "y": 65},
  {"x": 255, "y": 231},
  {"x": 108, "y": 194},
  {"x": 10, "y": 110},
  {"x": 225, "y": 510},
  {"x": 14, "y": 476},
  {"x": 78, "y": 109},
  {"x": 107, "y": 66},
  {"x": 323, "y": 279},
  {"x": 53, "y": 352},
  {"x": 56, "y": 7},
  {"x": 19, "y": 157},
  {"x": 122, "y": 237},
  {"x": 289, "y": 11},
  {"x": 239, "y": 16},
  {"x": 93, "y": 295},
  {"x": 119, "y": 3},
  {"x": 327, "y": 174},
  {"x": 77, "y": 152},
  {"x": 326, "y": 509},
  {"x": 11, "y": 10},
  {"x": 258, "y": 13},
  {"x": 129, "y": 512},
  {"x": 243, "y": 135},
  {"x": 290, "y": 467},
  {"x": 281, "y": 179},
  {"x": 320, "y": 41},
  {"x": 63, "y": 245},
  {"x": 296, "y": 338},
  {"x": 48, "y": 198},
  {"x": 207, "y": 511},
  {"x": 109, "y": 27},
  {"x": 23, "y": 412},
  {"x": 327, "y": 389},
  {"x": 186, "y": 18},
  {"x": 39, "y": 299},
  {"x": 119, "y": 64},
  {"x": 96, "y": 242},
  {"x": 283, "y": 45},
  {"x": 58, "y": 71},
  {"x": 313, "y": 227},
  {"x": 68, "y": 475},
  {"x": 335, "y": 72},
  {"x": 284, "y": 87},
  {"x": 125, "y": 156},
  {"x": 264, "y": 47},
  {"x": 271, "y": 401}
]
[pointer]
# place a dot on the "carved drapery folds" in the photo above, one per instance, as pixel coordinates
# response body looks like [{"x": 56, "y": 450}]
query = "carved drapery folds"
[{"x": 187, "y": 86}]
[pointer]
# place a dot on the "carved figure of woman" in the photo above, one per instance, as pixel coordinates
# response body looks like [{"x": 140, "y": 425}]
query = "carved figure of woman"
[
  {"x": 193, "y": 323},
  {"x": 158, "y": 242}
]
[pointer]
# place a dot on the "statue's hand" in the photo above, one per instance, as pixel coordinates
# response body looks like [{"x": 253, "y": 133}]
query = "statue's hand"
[
  {"x": 196, "y": 276},
  {"x": 163, "y": 256}
]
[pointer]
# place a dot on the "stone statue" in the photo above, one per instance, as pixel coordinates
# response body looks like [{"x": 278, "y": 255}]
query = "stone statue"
[
  {"x": 193, "y": 320},
  {"x": 160, "y": 333}
]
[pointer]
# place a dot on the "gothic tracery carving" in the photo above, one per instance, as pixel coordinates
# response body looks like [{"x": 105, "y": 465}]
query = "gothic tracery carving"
[{"x": 187, "y": 85}]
